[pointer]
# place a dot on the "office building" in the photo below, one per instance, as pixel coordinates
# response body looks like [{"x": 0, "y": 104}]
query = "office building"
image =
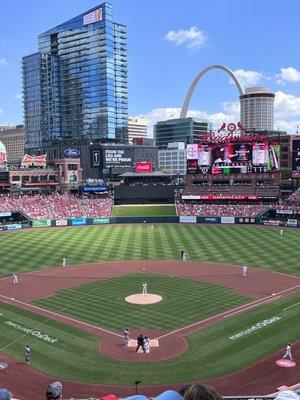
[
  {"x": 186, "y": 130},
  {"x": 75, "y": 86},
  {"x": 137, "y": 129},
  {"x": 173, "y": 159},
  {"x": 257, "y": 109},
  {"x": 13, "y": 140}
]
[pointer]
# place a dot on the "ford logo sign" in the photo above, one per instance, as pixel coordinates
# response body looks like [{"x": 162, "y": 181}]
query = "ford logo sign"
[{"x": 71, "y": 152}]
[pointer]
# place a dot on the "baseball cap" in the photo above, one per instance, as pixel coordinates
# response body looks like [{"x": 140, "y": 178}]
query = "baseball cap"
[
  {"x": 167, "y": 395},
  {"x": 5, "y": 394},
  {"x": 287, "y": 395},
  {"x": 54, "y": 390}
]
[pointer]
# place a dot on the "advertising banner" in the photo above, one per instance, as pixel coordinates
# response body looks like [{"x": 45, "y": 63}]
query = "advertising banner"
[
  {"x": 78, "y": 221},
  {"x": 190, "y": 219},
  {"x": 5, "y": 214},
  {"x": 212, "y": 220},
  {"x": 61, "y": 222},
  {"x": 118, "y": 157},
  {"x": 296, "y": 156},
  {"x": 144, "y": 167},
  {"x": 96, "y": 188},
  {"x": 13, "y": 227},
  {"x": 36, "y": 161},
  {"x": 292, "y": 222},
  {"x": 72, "y": 152},
  {"x": 101, "y": 221},
  {"x": 192, "y": 151},
  {"x": 226, "y": 197},
  {"x": 260, "y": 153},
  {"x": 227, "y": 220},
  {"x": 3, "y": 158},
  {"x": 41, "y": 223}
]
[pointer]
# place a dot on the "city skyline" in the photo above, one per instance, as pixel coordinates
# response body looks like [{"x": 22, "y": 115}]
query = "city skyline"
[{"x": 256, "y": 41}]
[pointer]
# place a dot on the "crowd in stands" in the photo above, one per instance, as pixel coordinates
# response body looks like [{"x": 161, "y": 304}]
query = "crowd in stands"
[
  {"x": 190, "y": 392},
  {"x": 228, "y": 190},
  {"x": 56, "y": 206},
  {"x": 220, "y": 210},
  {"x": 294, "y": 198}
]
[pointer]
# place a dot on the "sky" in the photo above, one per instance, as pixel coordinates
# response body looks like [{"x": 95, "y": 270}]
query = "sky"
[{"x": 169, "y": 43}]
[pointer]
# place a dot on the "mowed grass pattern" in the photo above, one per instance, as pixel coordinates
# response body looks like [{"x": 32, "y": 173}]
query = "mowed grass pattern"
[
  {"x": 144, "y": 210},
  {"x": 256, "y": 246},
  {"x": 210, "y": 353},
  {"x": 102, "y": 303}
]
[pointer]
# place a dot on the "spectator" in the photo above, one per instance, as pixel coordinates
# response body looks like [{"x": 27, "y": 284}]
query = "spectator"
[
  {"x": 199, "y": 392},
  {"x": 54, "y": 391},
  {"x": 5, "y": 394}
]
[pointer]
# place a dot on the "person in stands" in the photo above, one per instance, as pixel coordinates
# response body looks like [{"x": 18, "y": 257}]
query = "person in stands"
[{"x": 199, "y": 392}]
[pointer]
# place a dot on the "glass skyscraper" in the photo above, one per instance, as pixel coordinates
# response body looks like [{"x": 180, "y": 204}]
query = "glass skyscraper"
[{"x": 75, "y": 86}]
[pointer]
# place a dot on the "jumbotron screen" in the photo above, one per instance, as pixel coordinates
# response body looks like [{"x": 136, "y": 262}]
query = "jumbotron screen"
[{"x": 227, "y": 158}]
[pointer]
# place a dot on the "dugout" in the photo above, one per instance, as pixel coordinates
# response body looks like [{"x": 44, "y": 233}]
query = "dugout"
[{"x": 144, "y": 188}]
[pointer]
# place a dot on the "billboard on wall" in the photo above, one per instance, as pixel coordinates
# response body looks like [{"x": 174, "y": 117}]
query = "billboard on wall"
[
  {"x": 145, "y": 167},
  {"x": 118, "y": 157},
  {"x": 296, "y": 155},
  {"x": 101, "y": 221},
  {"x": 233, "y": 157},
  {"x": 61, "y": 222},
  {"x": 78, "y": 221},
  {"x": 35, "y": 161},
  {"x": 92, "y": 17},
  {"x": 41, "y": 223}
]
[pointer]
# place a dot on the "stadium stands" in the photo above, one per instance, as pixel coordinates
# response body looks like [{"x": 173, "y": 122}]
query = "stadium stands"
[
  {"x": 223, "y": 210},
  {"x": 294, "y": 198},
  {"x": 56, "y": 206},
  {"x": 230, "y": 190}
]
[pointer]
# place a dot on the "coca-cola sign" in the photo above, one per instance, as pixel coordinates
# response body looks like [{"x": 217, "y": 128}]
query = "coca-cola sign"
[{"x": 144, "y": 166}]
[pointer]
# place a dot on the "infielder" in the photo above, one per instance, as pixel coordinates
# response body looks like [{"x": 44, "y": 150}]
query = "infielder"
[
  {"x": 288, "y": 352},
  {"x": 64, "y": 263},
  {"x": 125, "y": 337},
  {"x": 15, "y": 279},
  {"x": 145, "y": 288},
  {"x": 27, "y": 352},
  {"x": 245, "y": 271}
]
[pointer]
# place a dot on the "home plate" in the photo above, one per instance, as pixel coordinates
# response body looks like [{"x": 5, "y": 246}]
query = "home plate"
[
  {"x": 152, "y": 343},
  {"x": 286, "y": 363}
]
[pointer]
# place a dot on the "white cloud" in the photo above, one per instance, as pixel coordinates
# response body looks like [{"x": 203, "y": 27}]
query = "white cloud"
[
  {"x": 286, "y": 105},
  {"x": 18, "y": 96},
  {"x": 3, "y": 62},
  {"x": 289, "y": 74},
  {"x": 290, "y": 127},
  {"x": 192, "y": 38},
  {"x": 248, "y": 78}
]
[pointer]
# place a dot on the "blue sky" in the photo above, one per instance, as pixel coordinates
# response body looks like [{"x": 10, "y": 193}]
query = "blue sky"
[{"x": 169, "y": 41}]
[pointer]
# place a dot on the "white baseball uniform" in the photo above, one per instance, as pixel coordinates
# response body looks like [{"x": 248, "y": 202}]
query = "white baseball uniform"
[
  {"x": 288, "y": 352},
  {"x": 145, "y": 287},
  {"x": 245, "y": 271},
  {"x": 15, "y": 279}
]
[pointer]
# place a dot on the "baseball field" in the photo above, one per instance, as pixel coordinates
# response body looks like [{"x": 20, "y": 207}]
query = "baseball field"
[{"x": 212, "y": 325}]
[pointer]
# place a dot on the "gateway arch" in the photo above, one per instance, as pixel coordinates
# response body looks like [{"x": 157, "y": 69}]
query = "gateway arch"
[{"x": 195, "y": 82}]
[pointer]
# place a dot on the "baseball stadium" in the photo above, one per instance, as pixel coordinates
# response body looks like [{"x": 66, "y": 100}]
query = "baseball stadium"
[
  {"x": 221, "y": 267},
  {"x": 119, "y": 276}
]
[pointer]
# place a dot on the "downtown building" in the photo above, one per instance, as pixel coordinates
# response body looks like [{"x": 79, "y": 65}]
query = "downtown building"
[{"x": 75, "y": 86}]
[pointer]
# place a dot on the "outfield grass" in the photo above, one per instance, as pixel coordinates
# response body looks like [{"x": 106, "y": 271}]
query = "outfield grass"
[
  {"x": 210, "y": 354},
  {"x": 143, "y": 211},
  {"x": 102, "y": 303},
  {"x": 256, "y": 246}
]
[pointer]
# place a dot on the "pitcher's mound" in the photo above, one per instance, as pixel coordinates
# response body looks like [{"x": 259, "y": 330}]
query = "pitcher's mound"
[{"x": 143, "y": 298}]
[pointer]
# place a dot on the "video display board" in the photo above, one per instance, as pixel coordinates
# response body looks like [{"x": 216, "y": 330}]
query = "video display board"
[
  {"x": 118, "y": 157},
  {"x": 296, "y": 155},
  {"x": 227, "y": 158}
]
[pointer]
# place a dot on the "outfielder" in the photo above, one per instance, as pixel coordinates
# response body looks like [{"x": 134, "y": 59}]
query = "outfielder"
[
  {"x": 64, "y": 263},
  {"x": 245, "y": 271}
]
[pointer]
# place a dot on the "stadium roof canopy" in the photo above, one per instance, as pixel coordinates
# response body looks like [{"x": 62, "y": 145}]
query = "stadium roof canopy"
[{"x": 144, "y": 175}]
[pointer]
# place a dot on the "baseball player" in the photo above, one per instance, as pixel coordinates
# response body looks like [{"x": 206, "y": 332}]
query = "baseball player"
[
  {"x": 281, "y": 232},
  {"x": 15, "y": 279},
  {"x": 27, "y": 352},
  {"x": 64, "y": 263},
  {"x": 144, "y": 288},
  {"x": 184, "y": 256},
  {"x": 125, "y": 337},
  {"x": 288, "y": 352},
  {"x": 245, "y": 271}
]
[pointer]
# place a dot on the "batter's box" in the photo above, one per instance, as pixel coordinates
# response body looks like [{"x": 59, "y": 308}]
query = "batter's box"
[{"x": 152, "y": 343}]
